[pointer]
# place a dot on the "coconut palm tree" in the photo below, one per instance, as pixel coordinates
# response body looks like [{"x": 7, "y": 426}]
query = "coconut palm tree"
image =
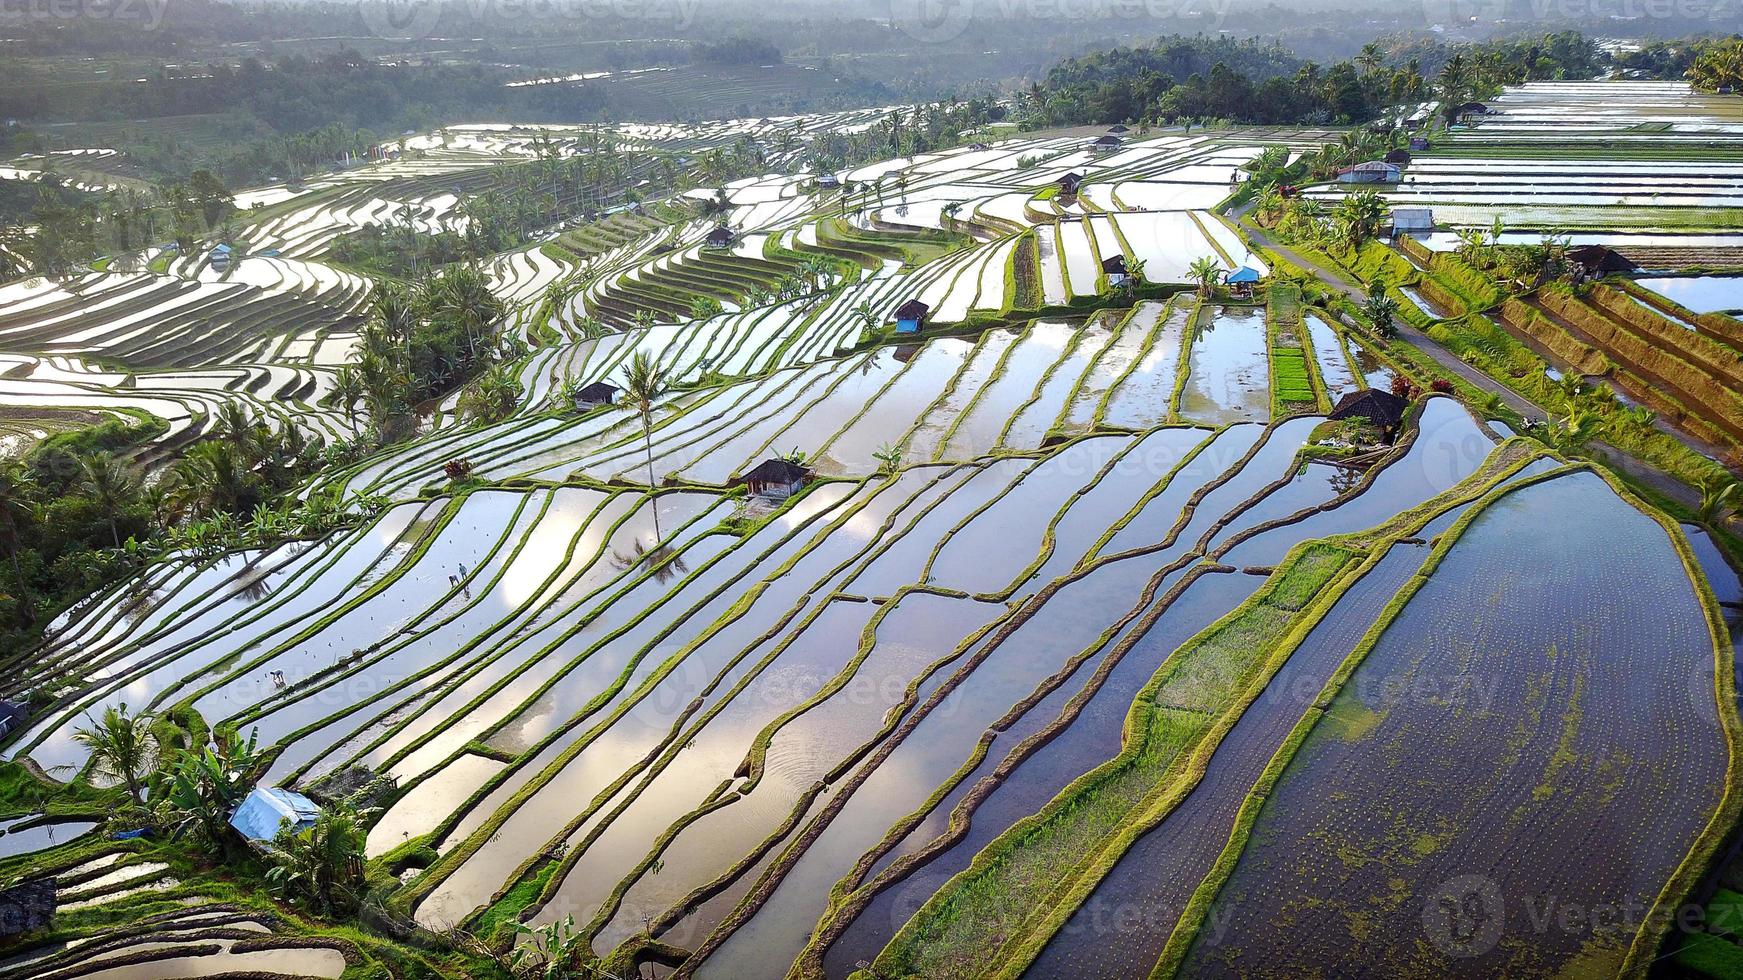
[
  {"x": 120, "y": 745},
  {"x": 391, "y": 307},
  {"x": 214, "y": 477},
  {"x": 644, "y": 382},
  {"x": 348, "y": 389},
  {"x": 233, "y": 425},
  {"x": 111, "y": 485},
  {"x": 1454, "y": 86},
  {"x": 1371, "y": 58}
]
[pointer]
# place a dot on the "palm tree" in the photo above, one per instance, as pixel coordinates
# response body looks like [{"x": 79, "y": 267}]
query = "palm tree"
[
  {"x": 391, "y": 307},
  {"x": 215, "y": 477},
  {"x": 120, "y": 745},
  {"x": 1204, "y": 271},
  {"x": 1371, "y": 58},
  {"x": 1454, "y": 86},
  {"x": 644, "y": 382},
  {"x": 233, "y": 425},
  {"x": 323, "y": 863},
  {"x": 347, "y": 390},
  {"x": 111, "y": 485}
]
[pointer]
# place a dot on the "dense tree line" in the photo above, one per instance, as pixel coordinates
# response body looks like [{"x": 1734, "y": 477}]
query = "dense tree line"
[
  {"x": 922, "y": 129},
  {"x": 292, "y": 94},
  {"x": 736, "y": 51},
  {"x": 62, "y": 230},
  {"x": 421, "y": 342},
  {"x": 76, "y": 513},
  {"x": 1252, "y": 82},
  {"x": 1715, "y": 65}
]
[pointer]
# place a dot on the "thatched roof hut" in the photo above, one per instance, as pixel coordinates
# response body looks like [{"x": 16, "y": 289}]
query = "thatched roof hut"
[
  {"x": 1381, "y": 409},
  {"x": 778, "y": 478},
  {"x": 1600, "y": 260}
]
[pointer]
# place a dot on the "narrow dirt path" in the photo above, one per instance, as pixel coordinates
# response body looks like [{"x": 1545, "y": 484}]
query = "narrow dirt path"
[{"x": 1655, "y": 478}]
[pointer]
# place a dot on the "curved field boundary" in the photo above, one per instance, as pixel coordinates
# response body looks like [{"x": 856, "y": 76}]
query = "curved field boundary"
[
  {"x": 1180, "y": 777},
  {"x": 1182, "y": 940}
]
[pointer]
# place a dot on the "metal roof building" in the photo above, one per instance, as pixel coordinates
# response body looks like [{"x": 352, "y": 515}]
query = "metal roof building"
[{"x": 268, "y": 810}]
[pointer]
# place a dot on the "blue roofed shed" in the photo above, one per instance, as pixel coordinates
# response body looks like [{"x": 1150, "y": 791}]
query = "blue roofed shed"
[
  {"x": 1245, "y": 274},
  {"x": 911, "y": 316},
  {"x": 268, "y": 810}
]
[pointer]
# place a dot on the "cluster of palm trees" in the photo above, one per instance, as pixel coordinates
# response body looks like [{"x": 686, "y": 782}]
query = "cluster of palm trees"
[
  {"x": 815, "y": 275},
  {"x": 67, "y": 229},
  {"x": 420, "y": 343},
  {"x": 902, "y": 133},
  {"x": 1350, "y": 223},
  {"x": 71, "y": 521},
  {"x": 1352, "y": 147},
  {"x": 1524, "y": 266},
  {"x": 194, "y": 791}
]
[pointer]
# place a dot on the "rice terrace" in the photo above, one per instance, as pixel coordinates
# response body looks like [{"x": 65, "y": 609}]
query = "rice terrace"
[{"x": 687, "y": 505}]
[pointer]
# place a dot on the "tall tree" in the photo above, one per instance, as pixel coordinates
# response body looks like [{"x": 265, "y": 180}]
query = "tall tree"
[
  {"x": 111, "y": 485},
  {"x": 120, "y": 745},
  {"x": 644, "y": 382}
]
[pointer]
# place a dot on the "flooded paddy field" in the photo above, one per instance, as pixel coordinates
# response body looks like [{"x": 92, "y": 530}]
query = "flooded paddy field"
[{"x": 1051, "y": 609}]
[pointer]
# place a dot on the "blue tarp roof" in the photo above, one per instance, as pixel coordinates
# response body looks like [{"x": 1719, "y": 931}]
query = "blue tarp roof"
[
  {"x": 268, "y": 809},
  {"x": 1244, "y": 274}
]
